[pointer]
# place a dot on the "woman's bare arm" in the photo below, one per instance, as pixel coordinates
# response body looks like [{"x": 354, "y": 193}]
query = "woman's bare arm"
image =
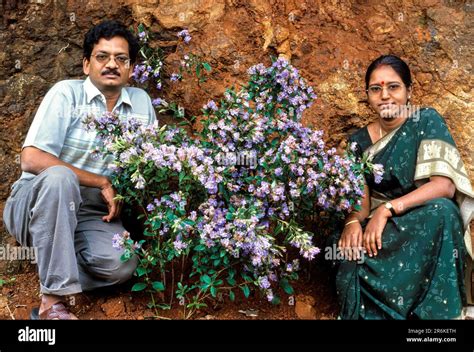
[{"x": 437, "y": 187}]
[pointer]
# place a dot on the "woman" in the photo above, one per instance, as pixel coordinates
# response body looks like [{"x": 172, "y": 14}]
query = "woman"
[{"x": 410, "y": 231}]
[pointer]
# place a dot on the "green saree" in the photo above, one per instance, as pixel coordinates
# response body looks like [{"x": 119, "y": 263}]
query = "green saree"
[{"x": 419, "y": 272}]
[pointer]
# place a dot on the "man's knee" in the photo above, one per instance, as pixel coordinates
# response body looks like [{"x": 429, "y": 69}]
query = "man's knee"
[
  {"x": 59, "y": 177},
  {"x": 124, "y": 270},
  {"x": 113, "y": 270}
]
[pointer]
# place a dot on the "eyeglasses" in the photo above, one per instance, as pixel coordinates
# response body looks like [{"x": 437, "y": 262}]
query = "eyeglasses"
[
  {"x": 392, "y": 88},
  {"x": 103, "y": 58}
]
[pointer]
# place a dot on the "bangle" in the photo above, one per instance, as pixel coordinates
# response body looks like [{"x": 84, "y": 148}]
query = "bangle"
[{"x": 350, "y": 222}]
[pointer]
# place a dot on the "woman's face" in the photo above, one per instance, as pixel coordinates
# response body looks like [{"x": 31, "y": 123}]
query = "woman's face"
[{"x": 387, "y": 94}]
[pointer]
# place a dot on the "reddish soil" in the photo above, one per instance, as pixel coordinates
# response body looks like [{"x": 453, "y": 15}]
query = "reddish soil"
[{"x": 19, "y": 297}]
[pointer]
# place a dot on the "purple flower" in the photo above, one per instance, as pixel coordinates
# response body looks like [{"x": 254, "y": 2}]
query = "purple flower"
[
  {"x": 158, "y": 102},
  {"x": 211, "y": 104},
  {"x": 270, "y": 296},
  {"x": 185, "y": 35},
  {"x": 263, "y": 282},
  {"x": 118, "y": 240},
  {"x": 179, "y": 245},
  {"x": 378, "y": 171},
  {"x": 175, "y": 77}
]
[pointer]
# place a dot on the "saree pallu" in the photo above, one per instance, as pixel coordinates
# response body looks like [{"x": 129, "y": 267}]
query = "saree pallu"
[{"x": 419, "y": 272}]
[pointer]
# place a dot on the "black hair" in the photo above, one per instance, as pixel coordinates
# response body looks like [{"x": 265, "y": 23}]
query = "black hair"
[
  {"x": 398, "y": 65},
  {"x": 108, "y": 30}
]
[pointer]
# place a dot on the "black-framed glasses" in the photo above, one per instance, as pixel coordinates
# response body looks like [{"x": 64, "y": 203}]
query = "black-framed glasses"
[{"x": 122, "y": 60}]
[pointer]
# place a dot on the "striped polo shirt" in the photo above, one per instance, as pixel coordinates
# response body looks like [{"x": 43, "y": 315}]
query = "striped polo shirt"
[{"x": 58, "y": 129}]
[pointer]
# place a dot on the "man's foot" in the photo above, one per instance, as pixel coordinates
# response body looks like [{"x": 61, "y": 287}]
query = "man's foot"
[{"x": 57, "y": 311}]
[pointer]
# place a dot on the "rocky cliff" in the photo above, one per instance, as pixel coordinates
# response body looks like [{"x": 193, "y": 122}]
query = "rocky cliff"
[{"x": 330, "y": 41}]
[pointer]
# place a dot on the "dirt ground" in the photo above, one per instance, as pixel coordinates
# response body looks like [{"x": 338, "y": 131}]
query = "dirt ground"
[{"x": 314, "y": 298}]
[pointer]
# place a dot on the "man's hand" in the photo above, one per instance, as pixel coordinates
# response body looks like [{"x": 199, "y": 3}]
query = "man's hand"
[
  {"x": 351, "y": 240},
  {"x": 108, "y": 194},
  {"x": 374, "y": 229}
]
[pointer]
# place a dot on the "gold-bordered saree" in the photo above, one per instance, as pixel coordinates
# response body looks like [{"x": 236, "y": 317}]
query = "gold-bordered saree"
[{"x": 420, "y": 271}]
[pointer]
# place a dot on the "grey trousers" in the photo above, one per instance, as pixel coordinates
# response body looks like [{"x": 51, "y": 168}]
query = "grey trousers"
[{"x": 63, "y": 220}]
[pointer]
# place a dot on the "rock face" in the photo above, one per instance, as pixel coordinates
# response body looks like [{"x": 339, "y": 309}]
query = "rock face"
[
  {"x": 330, "y": 42},
  {"x": 113, "y": 308},
  {"x": 304, "y": 307}
]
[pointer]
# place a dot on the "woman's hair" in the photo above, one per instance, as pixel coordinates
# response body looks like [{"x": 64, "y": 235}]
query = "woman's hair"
[
  {"x": 108, "y": 30},
  {"x": 398, "y": 65}
]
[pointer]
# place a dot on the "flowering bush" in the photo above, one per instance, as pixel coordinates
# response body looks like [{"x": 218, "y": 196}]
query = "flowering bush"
[
  {"x": 150, "y": 62},
  {"x": 227, "y": 203}
]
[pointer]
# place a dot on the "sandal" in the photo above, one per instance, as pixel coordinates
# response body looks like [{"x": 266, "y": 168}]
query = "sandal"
[{"x": 58, "y": 311}]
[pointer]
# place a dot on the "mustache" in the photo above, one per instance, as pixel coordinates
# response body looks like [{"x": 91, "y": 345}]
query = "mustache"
[{"x": 111, "y": 72}]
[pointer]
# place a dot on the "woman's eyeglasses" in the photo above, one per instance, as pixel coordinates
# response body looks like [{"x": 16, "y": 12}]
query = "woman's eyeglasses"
[
  {"x": 122, "y": 60},
  {"x": 377, "y": 89}
]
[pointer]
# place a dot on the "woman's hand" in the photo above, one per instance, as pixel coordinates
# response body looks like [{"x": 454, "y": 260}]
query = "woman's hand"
[
  {"x": 350, "y": 242},
  {"x": 373, "y": 231}
]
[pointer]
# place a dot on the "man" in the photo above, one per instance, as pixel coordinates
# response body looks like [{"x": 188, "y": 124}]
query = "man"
[{"x": 63, "y": 204}]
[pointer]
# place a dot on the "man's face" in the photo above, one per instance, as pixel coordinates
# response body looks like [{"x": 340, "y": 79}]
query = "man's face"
[{"x": 108, "y": 67}]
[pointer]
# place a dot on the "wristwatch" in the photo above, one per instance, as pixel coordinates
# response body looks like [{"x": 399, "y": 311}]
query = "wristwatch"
[{"x": 389, "y": 206}]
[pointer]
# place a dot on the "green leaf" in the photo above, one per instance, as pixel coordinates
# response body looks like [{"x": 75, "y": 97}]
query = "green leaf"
[
  {"x": 200, "y": 248},
  {"x": 141, "y": 271},
  {"x": 286, "y": 286},
  {"x": 246, "y": 291},
  {"x": 206, "y": 66},
  {"x": 139, "y": 286},
  {"x": 206, "y": 279},
  {"x": 213, "y": 291},
  {"x": 163, "y": 306},
  {"x": 232, "y": 296},
  {"x": 245, "y": 277},
  {"x": 158, "y": 286},
  {"x": 189, "y": 222}
]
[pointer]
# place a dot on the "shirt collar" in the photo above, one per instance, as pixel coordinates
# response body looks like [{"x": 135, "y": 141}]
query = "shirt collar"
[{"x": 92, "y": 91}]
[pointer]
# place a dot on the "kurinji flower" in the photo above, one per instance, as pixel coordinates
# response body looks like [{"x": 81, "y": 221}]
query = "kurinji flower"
[
  {"x": 253, "y": 168},
  {"x": 119, "y": 239},
  {"x": 263, "y": 282},
  {"x": 211, "y": 105},
  {"x": 158, "y": 102},
  {"x": 174, "y": 77},
  {"x": 378, "y": 171},
  {"x": 185, "y": 35}
]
